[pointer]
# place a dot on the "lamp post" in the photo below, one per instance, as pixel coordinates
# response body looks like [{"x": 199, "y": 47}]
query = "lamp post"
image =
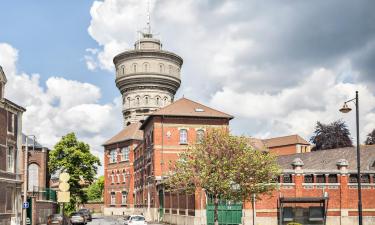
[
  {"x": 25, "y": 176},
  {"x": 346, "y": 109}
]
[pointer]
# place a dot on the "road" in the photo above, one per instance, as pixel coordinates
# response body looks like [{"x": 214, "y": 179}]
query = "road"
[{"x": 110, "y": 220}]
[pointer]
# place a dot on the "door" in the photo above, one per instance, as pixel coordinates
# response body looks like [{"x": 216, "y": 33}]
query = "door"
[
  {"x": 229, "y": 212},
  {"x": 161, "y": 204}
]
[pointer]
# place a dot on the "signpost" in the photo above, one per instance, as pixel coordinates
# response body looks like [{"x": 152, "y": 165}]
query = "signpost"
[
  {"x": 63, "y": 195},
  {"x": 25, "y": 205}
]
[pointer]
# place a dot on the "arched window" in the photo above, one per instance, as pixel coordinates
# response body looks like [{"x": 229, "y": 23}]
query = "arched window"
[
  {"x": 161, "y": 68},
  {"x": 128, "y": 99},
  {"x": 157, "y": 100},
  {"x": 200, "y": 135},
  {"x": 183, "y": 136},
  {"x": 146, "y": 100},
  {"x": 137, "y": 100},
  {"x": 135, "y": 67},
  {"x": 165, "y": 102},
  {"x": 146, "y": 67},
  {"x": 10, "y": 159},
  {"x": 123, "y": 69},
  {"x": 33, "y": 176}
]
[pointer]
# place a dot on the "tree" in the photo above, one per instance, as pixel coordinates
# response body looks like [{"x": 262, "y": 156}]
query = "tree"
[
  {"x": 226, "y": 167},
  {"x": 74, "y": 157},
  {"x": 370, "y": 140},
  {"x": 330, "y": 136},
  {"x": 95, "y": 190}
]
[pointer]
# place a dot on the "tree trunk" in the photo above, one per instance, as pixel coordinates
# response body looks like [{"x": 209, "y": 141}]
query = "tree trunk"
[{"x": 216, "y": 210}]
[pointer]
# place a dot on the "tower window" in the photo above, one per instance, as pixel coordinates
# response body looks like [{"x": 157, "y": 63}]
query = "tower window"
[
  {"x": 137, "y": 100},
  {"x": 128, "y": 99},
  {"x": 170, "y": 69},
  {"x": 161, "y": 68},
  {"x": 146, "y": 67},
  {"x": 165, "y": 101},
  {"x": 123, "y": 69},
  {"x": 134, "y": 67},
  {"x": 157, "y": 100},
  {"x": 146, "y": 100}
]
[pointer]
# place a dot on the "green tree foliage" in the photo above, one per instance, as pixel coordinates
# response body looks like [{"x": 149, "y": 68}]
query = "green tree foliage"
[
  {"x": 226, "y": 167},
  {"x": 74, "y": 157},
  {"x": 330, "y": 136},
  {"x": 370, "y": 140},
  {"x": 95, "y": 190}
]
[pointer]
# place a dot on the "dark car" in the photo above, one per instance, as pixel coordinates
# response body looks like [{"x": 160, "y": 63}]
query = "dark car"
[
  {"x": 87, "y": 214},
  {"x": 57, "y": 219},
  {"x": 78, "y": 218}
]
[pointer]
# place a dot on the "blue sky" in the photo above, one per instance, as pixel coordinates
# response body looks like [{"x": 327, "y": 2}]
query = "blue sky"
[
  {"x": 51, "y": 37},
  {"x": 277, "y": 66}
]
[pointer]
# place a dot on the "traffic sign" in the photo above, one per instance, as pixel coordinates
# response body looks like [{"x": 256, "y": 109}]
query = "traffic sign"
[
  {"x": 28, "y": 221},
  {"x": 63, "y": 196},
  {"x": 25, "y": 205},
  {"x": 64, "y": 186},
  {"x": 64, "y": 177}
]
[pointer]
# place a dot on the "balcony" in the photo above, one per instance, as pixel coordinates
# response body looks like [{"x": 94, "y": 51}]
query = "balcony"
[{"x": 44, "y": 194}]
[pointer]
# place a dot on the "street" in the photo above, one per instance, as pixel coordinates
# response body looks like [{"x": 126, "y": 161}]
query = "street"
[{"x": 110, "y": 220}]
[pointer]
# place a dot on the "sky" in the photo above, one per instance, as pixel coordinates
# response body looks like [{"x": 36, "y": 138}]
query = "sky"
[{"x": 277, "y": 66}]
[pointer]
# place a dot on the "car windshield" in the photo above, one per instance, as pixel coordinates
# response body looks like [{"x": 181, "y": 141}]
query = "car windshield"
[
  {"x": 76, "y": 214},
  {"x": 83, "y": 210},
  {"x": 137, "y": 218},
  {"x": 56, "y": 217}
]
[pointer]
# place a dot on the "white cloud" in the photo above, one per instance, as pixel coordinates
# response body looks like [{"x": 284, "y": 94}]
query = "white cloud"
[{"x": 62, "y": 106}]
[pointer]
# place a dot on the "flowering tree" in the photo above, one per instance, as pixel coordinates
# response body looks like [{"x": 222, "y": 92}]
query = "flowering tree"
[{"x": 226, "y": 167}]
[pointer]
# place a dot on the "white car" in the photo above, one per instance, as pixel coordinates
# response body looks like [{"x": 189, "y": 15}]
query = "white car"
[{"x": 135, "y": 220}]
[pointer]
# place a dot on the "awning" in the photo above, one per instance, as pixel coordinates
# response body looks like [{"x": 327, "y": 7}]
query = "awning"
[{"x": 303, "y": 199}]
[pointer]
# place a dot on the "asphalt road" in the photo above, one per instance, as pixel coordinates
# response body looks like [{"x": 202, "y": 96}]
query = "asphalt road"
[{"x": 110, "y": 220}]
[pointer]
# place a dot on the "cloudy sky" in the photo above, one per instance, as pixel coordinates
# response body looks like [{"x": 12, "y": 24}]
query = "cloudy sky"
[{"x": 277, "y": 66}]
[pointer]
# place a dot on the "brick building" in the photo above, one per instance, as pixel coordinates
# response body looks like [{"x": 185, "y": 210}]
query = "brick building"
[
  {"x": 10, "y": 148},
  {"x": 119, "y": 170}
]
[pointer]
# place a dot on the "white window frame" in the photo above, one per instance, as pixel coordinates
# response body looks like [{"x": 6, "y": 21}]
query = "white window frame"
[
  {"x": 125, "y": 153},
  {"x": 199, "y": 138},
  {"x": 113, "y": 198},
  {"x": 118, "y": 177},
  {"x": 124, "y": 197},
  {"x": 124, "y": 176},
  {"x": 113, "y": 156},
  {"x": 10, "y": 159},
  {"x": 183, "y": 138},
  {"x": 112, "y": 178}
]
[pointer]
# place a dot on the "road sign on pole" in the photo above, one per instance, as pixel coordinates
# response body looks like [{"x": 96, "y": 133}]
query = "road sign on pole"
[
  {"x": 25, "y": 205},
  {"x": 63, "y": 195}
]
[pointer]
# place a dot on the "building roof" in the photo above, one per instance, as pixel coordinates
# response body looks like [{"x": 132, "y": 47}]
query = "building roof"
[
  {"x": 257, "y": 143},
  {"x": 285, "y": 140},
  {"x": 30, "y": 142},
  {"x": 187, "y": 108},
  {"x": 131, "y": 132},
  {"x": 327, "y": 159}
]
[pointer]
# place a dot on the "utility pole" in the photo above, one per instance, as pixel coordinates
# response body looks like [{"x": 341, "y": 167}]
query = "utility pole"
[{"x": 25, "y": 171}]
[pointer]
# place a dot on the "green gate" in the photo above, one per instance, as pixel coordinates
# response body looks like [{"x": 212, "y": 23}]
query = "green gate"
[
  {"x": 230, "y": 213},
  {"x": 161, "y": 205},
  {"x": 29, "y": 212}
]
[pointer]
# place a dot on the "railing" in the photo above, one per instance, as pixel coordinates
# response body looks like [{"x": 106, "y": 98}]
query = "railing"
[{"x": 42, "y": 193}]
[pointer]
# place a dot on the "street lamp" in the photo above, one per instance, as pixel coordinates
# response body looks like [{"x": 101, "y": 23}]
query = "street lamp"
[
  {"x": 25, "y": 175},
  {"x": 346, "y": 109}
]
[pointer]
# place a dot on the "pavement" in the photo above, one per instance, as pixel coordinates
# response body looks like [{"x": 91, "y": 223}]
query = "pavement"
[{"x": 111, "y": 220}]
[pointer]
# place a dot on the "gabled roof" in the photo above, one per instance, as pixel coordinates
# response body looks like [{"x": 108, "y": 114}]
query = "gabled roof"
[
  {"x": 187, "y": 108},
  {"x": 285, "y": 140},
  {"x": 131, "y": 132},
  {"x": 327, "y": 159}
]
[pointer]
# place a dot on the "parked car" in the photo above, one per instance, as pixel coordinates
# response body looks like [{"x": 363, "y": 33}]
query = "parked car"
[
  {"x": 57, "y": 219},
  {"x": 135, "y": 220},
  {"x": 87, "y": 214},
  {"x": 78, "y": 218}
]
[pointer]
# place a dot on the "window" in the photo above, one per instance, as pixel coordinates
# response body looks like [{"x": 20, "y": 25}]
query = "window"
[
  {"x": 183, "y": 136},
  {"x": 321, "y": 178},
  {"x": 113, "y": 156},
  {"x": 287, "y": 178},
  {"x": 365, "y": 178},
  {"x": 118, "y": 177},
  {"x": 157, "y": 100},
  {"x": 146, "y": 100},
  {"x": 124, "y": 176},
  {"x": 112, "y": 178},
  {"x": 123, "y": 69},
  {"x": 9, "y": 199},
  {"x": 353, "y": 178},
  {"x": 170, "y": 69},
  {"x": 123, "y": 197},
  {"x": 10, "y": 122},
  {"x": 33, "y": 176},
  {"x": 10, "y": 159},
  {"x": 309, "y": 178},
  {"x": 125, "y": 153},
  {"x": 200, "y": 135},
  {"x": 137, "y": 100},
  {"x": 146, "y": 67},
  {"x": 135, "y": 68},
  {"x": 165, "y": 101},
  {"x": 332, "y": 178},
  {"x": 113, "y": 198},
  {"x": 128, "y": 99},
  {"x": 161, "y": 68}
]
